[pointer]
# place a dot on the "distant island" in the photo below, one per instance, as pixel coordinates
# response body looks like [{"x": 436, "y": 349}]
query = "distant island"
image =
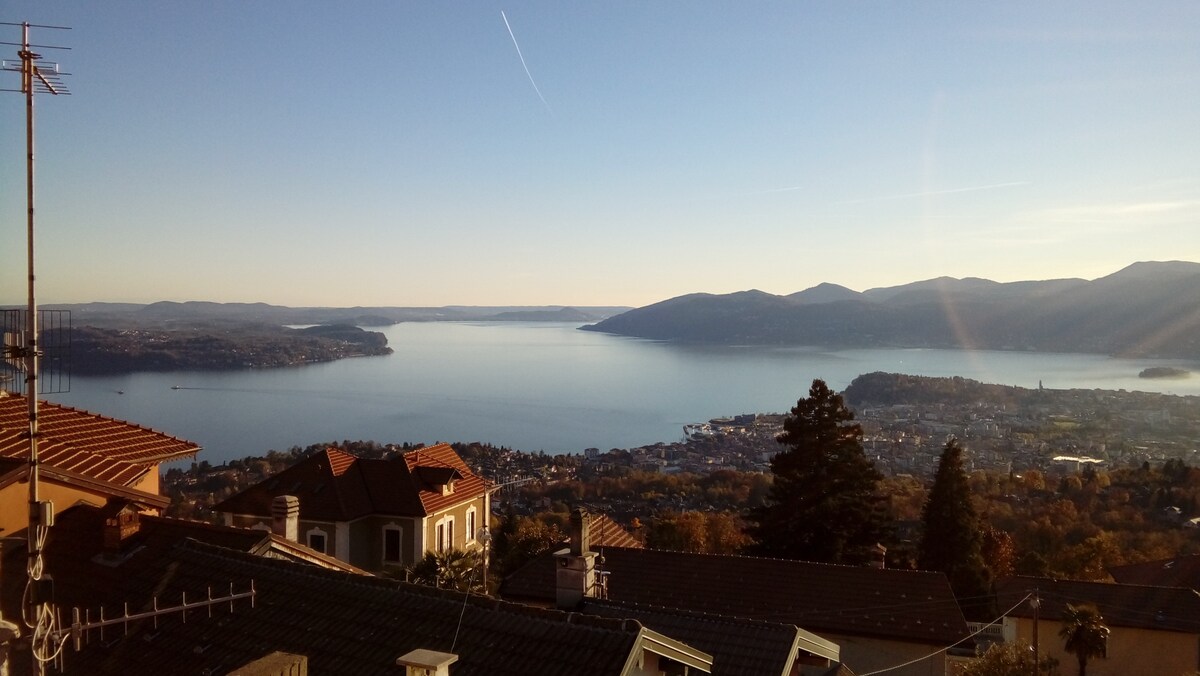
[
  {"x": 108, "y": 338},
  {"x": 1164, "y": 372},
  {"x": 105, "y": 351},
  {"x": 1144, "y": 310}
]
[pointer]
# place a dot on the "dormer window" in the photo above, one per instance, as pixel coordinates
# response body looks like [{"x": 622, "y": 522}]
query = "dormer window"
[{"x": 438, "y": 479}]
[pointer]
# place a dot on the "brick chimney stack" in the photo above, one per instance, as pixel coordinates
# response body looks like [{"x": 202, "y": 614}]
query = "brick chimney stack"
[{"x": 285, "y": 517}]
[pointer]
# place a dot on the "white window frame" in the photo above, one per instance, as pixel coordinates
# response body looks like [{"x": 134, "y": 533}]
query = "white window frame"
[
  {"x": 472, "y": 524},
  {"x": 444, "y": 534},
  {"x": 317, "y": 531}
]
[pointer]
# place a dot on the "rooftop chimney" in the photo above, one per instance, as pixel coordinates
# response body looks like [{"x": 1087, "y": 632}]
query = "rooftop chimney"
[
  {"x": 275, "y": 664},
  {"x": 285, "y": 517},
  {"x": 878, "y": 557},
  {"x": 581, "y": 532},
  {"x": 576, "y": 565},
  {"x": 120, "y": 523},
  {"x": 422, "y": 662}
]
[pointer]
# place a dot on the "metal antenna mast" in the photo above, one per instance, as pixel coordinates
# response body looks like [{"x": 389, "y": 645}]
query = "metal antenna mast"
[{"x": 36, "y": 77}]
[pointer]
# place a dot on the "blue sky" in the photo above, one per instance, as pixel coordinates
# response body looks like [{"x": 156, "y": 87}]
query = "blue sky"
[{"x": 396, "y": 153}]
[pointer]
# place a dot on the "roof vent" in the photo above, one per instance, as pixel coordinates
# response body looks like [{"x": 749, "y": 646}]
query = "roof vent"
[{"x": 422, "y": 662}]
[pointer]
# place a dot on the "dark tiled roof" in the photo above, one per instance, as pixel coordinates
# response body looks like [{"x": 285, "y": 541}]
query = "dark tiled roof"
[
  {"x": 86, "y": 443},
  {"x": 344, "y": 624},
  {"x": 739, "y": 647},
  {"x": 894, "y": 604},
  {"x": 1121, "y": 605},
  {"x": 82, "y": 577},
  {"x": 335, "y": 486},
  {"x": 1181, "y": 571}
]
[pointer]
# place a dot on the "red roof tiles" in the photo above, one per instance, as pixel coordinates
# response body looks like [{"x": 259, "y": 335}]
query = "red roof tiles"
[
  {"x": 336, "y": 486},
  {"x": 86, "y": 443},
  {"x": 442, "y": 456}
]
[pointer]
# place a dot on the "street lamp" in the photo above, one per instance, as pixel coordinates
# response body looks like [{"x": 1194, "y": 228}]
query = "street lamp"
[{"x": 485, "y": 536}]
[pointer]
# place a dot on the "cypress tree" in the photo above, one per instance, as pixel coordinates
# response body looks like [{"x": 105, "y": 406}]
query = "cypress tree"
[{"x": 824, "y": 503}]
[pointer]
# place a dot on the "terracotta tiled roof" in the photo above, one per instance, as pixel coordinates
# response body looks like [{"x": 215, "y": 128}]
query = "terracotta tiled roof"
[
  {"x": 900, "y": 605},
  {"x": 1121, "y": 605},
  {"x": 86, "y": 443},
  {"x": 442, "y": 456},
  {"x": 335, "y": 486},
  {"x": 344, "y": 624},
  {"x": 740, "y": 647},
  {"x": 1181, "y": 571},
  {"x": 608, "y": 533}
]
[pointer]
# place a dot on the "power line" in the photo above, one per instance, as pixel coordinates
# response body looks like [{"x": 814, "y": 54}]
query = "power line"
[{"x": 942, "y": 650}]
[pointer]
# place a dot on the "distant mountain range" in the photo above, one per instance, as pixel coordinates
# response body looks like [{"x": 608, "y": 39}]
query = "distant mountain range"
[
  {"x": 171, "y": 315},
  {"x": 1149, "y": 309}
]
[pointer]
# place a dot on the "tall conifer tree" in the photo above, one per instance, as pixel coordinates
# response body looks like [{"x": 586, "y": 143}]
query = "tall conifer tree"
[
  {"x": 953, "y": 540},
  {"x": 824, "y": 503}
]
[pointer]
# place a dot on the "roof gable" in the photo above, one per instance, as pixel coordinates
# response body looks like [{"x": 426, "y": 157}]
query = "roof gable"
[{"x": 739, "y": 647}]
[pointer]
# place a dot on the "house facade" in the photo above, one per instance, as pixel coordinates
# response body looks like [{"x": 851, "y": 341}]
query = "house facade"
[
  {"x": 372, "y": 513},
  {"x": 1152, "y": 630}
]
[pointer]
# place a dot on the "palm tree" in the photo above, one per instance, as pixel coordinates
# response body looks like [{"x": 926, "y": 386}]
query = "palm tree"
[
  {"x": 1085, "y": 633},
  {"x": 451, "y": 569}
]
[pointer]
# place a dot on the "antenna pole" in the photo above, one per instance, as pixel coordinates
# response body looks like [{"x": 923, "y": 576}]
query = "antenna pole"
[
  {"x": 31, "y": 338},
  {"x": 34, "y": 531}
]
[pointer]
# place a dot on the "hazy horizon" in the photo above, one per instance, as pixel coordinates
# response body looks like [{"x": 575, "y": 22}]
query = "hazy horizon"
[
  {"x": 395, "y": 154},
  {"x": 497, "y": 305}
]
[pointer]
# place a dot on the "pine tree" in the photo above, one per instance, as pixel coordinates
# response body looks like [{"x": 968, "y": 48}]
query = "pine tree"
[
  {"x": 824, "y": 503},
  {"x": 952, "y": 542}
]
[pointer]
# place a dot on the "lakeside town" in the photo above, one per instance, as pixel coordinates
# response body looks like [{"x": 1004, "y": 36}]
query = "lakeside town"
[{"x": 1004, "y": 430}]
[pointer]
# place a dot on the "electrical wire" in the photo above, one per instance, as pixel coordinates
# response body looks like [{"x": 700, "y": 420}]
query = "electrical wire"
[
  {"x": 942, "y": 650},
  {"x": 44, "y": 623}
]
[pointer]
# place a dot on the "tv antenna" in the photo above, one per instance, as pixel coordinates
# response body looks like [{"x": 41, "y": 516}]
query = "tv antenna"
[{"x": 37, "y": 77}]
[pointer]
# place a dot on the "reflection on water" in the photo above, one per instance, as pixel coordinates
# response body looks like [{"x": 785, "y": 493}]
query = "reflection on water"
[{"x": 540, "y": 387}]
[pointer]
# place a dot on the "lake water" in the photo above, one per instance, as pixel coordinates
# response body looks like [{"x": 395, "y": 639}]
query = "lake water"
[{"x": 536, "y": 386}]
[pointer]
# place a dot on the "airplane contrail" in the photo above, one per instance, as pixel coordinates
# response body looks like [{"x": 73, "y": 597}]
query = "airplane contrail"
[
  {"x": 523, "y": 65},
  {"x": 936, "y": 192}
]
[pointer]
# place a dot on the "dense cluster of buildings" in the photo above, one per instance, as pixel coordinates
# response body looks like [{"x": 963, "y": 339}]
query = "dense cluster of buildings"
[{"x": 1066, "y": 430}]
